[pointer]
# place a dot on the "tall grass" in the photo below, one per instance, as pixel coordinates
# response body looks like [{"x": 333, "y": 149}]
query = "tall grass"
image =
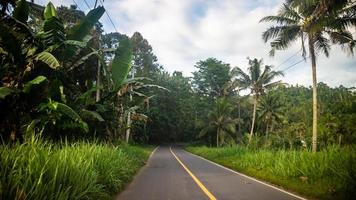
[
  {"x": 327, "y": 174},
  {"x": 40, "y": 170}
]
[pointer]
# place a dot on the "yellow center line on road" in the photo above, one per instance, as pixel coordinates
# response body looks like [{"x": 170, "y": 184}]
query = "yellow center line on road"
[{"x": 202, "y": 187}]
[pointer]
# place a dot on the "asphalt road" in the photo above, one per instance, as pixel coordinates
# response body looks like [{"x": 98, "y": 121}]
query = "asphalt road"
[{"x": 176, "y": 174}]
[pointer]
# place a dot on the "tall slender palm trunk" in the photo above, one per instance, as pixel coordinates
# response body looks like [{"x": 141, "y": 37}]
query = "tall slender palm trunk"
[
  {"x": 98, "y": 82},
  {"x": 267, "y": 129},
  {"x": 315, "y": 100},
  {"x": 127, "y": 137},
  {"x": 239, "y": 122},
  {"x": 217, "y": 137},
  {"x": 253, "y": 118}
]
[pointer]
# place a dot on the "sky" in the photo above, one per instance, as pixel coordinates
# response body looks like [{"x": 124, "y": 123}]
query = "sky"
[{"x": 182, "y": 32}]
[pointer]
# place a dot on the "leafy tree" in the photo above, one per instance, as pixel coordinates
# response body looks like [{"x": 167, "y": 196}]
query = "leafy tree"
[
  {"x": 257, "y": 81},
  {"x": 171, "y": 114},
  {"x": 211, "y": 77},
  {"x": 312, "y": 21},
  {"x": 144, "y": 60}
]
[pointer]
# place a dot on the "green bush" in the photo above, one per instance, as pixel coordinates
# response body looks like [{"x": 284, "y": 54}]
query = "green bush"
[
  {"x": 40, "y": 170},
  {"x": 327, "y": 174}
]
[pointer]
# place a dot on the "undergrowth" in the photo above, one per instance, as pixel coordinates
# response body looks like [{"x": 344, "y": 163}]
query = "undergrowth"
[
  {"x": 327, "y": 174},
  {"x": 41, "y": 170}
]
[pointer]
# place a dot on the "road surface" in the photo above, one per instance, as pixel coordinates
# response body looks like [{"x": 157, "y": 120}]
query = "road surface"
[{"x": 174, "y": 174}]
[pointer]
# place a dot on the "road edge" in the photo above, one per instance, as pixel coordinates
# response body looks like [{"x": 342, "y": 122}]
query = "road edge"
[
  {"x": 137, "y": 173},
  {"x": 251, "y": 178}
]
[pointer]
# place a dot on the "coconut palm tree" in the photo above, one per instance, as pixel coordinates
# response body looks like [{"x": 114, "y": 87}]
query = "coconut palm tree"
[
  {"x": 320, "y": 22},
  {"x": 257, "y": 81},
  {"x": 232, "y": 90},
  {"x": 270, "y": 111},
  {"x": 220, "y": 121}
]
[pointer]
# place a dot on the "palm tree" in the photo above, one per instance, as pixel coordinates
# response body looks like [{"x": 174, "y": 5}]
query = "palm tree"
[
  {"x": 270, "y": 111},
  {"x": 257, "y": 82},
  {"x": 312, "y": 20},
  {"x": 220, "y": 121}
]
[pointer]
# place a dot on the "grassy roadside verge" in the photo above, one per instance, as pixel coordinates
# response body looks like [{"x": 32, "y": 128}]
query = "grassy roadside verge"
[
  {"x": 40, "y": 170},
  {"x": 328, "y": 174}
]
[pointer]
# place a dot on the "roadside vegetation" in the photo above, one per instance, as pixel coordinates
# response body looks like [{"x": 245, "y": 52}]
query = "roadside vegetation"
[
  {"x": 65, "y": 107},
  {"x": 80, "y": 170},
  {"x": 327, "y": 174},
  {"x": 73, "y": 98}
]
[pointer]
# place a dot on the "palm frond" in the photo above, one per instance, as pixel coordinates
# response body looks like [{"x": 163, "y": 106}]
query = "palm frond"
[
  {"x": 273, "y": 85},
  {"x": 268, "y": 77},
  {"x": 279, "y": 19},
  {"x": 242, "y": 78},
  {"x": 255, "y": 68},
  {"x": 343, "y": 38},
  {"x": 322, "y": 44},
  {"x": 289, "y": 11},
  {"x": 286, "y": 37},
  {"x": 272, "y": 32}
]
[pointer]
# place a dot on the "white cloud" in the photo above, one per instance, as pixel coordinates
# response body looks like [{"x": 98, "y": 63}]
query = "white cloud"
[{"x": 186, "y": 31}]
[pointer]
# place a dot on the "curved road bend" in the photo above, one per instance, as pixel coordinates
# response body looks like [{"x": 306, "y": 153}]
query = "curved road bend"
[{"x": 176, "y": 174}]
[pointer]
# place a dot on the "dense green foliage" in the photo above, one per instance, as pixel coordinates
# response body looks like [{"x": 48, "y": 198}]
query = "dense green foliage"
[
  {"x": 321, "y": 23},
  {"x": 61, "y": 79},
  {"x": 86, "y": 87},
  {"x": 328, "y": 174},
  {"x": 81, "y": 170},
  {"x": 49, "y": 81}
]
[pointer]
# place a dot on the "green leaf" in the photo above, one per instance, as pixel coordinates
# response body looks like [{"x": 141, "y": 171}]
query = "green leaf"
[
  {"x": 5, "y": 91},
  {"x": 83, "y": 59},
  {"x": 76, "y": 43},
  {"x": 53, "y": 32},
  {"x": 82, "y": 29},
  {"x": 93, "y": 115},
  {"x": 50, "y": 11},
  {"x": 121, "y": 64},
  {"x": 31, "y": 128},
  {"x": 48, "y": 59},
  {"x": 84, "y": 126},
  {"x": 68, "y": 111},
  {"x": 21, "y": 11},
  {"x": 38, "y": 80}
]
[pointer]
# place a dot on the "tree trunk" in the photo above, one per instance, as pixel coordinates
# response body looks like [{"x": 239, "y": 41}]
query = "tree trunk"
[
  {"x": 98, "y": 83},
  {"x": 98, "y": 79},
  {"x": 315, "y": 100},
  {"x": 267, "y": 129},
  {"x": 253, "y": 118},
  {"x": 128, "y": 127},
  {"x": 217, "y": 137},
  {"x": 239, "y": 121},
  {"x": 272, "y": 127}
]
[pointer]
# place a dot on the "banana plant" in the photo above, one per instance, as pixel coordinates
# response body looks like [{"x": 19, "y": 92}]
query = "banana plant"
[
  {"x": 21, "y": 51},
  {"x": 31, "y": 60}
]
